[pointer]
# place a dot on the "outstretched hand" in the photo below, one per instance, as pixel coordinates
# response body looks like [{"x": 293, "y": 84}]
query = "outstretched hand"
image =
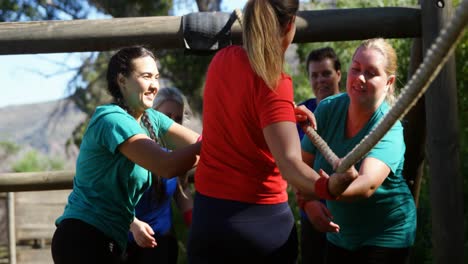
[
  {"x": 143, "y": 234},
  {"x": 305, "y": 117},
  {"x": 320, "y": 217}
]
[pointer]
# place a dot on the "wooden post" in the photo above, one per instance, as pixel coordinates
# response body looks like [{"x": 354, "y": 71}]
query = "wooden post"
[
  {"x": 443, "y": 147},
  {"x": 415, "y": 131},
  {"x": 11, "y": 228}
]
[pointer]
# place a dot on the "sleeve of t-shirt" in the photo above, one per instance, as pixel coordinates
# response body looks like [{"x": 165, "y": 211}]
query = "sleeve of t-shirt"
[
  {"x": 391, "y": 148},
  {"x": 276, "y": 105},
  {"x": 161, "y": 122},
  {"x": 114, "y": 128}
]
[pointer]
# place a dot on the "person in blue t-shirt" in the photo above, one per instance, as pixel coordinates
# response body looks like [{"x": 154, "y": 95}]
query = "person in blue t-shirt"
[
  {"x": 324, "y": 72},
  {"x": 374, "y": 219},
  {"x": 152, "y": 237},
  {"x": 119, "y": 159}
]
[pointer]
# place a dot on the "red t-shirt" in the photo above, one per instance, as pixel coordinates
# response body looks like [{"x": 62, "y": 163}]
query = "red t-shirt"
[{"x": 236, "y": 163}]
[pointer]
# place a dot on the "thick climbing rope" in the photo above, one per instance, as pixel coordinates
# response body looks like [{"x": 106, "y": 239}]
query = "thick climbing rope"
[{"x": 433, "y": 62}]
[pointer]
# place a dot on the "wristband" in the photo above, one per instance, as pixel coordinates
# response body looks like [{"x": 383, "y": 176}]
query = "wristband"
[
  {"x": 188, "y": 217},
  {"x": 321, "y": 189}
]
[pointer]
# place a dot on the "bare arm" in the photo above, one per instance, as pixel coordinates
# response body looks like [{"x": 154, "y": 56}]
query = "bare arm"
[
  {"x": 179, "y": 136},
  {"x": 284, "y": 145},
  {"x": 148, "y": 154},
  {"x": 372, "y": 174}
]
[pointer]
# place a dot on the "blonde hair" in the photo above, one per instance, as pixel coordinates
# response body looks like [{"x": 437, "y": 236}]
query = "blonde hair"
[
  {"x": 264, "y": 23},
  {"x": 391, "y": 66},
  {"x": 172, "y": 94}
]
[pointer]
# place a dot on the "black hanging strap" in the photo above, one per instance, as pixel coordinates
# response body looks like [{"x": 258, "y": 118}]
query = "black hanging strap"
[{"x": 207, "y": 32}]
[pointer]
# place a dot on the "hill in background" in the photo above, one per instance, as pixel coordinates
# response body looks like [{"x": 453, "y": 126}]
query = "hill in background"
[{"x": 45, "y": 127}]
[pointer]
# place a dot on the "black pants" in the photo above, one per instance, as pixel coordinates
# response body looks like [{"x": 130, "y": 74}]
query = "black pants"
[
  {"x": 367, "y": 255},
  {"x": 226, "y": 231},
  {"x": 76, "y": 242},
  {"x": 164, "y": 253},
  {"x": 313, "y": 243}
]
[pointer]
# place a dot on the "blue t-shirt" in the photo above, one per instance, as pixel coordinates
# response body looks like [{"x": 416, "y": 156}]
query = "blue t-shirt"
[
  {"x": 158, "y": 215},
  {"x": 311, "y": 104},
  {"x": 107, "y": 185},
  {"x": 388, "y": 217}
]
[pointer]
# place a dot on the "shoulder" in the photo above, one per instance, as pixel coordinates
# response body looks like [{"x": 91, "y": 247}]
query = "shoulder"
[
  {"x": 228, "y": 59},
  {"x": 232, "y": 51},
  {"x": 110, "y": 113},
  {"x": 334, "y": 101},
  {"x": 154, "y": 114}
]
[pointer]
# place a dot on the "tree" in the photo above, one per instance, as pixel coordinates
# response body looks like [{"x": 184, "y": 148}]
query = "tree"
[
  {"x": 8, "y": 149},
  {"x": 24, "y": 10},
  {"x": 33, "y": 161}
]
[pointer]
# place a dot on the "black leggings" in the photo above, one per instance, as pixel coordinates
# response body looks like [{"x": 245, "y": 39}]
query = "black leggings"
[
  {"x": 226, "y": 231},
  {"x": 313, "y": 243},
  {"x": 367, "y": 255},
  {"x": 76, "y": 242},
  {"x": 164, "y": 253}
]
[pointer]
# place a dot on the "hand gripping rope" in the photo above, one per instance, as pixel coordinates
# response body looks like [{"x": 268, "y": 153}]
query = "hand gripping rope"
[{"x": 433, "y": 62}]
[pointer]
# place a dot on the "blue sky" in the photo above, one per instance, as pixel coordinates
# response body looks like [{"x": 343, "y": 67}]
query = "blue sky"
[{"x": 36, "y": 78}]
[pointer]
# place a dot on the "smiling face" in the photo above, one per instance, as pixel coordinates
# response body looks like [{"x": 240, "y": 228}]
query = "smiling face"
[
  {"x": 141, "y": 86},
  {"x": 368, "y": 83},
  {"x": 323, "y": 78}
]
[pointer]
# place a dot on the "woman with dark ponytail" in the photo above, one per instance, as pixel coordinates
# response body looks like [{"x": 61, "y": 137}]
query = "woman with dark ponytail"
[
  {"x": 251, "y": 149},
  {"x": 119, "y": 159}
]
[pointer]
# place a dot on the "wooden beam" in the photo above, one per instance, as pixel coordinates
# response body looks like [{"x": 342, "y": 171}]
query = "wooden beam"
[
  {"x": 36, "y": 181},
  {"x": 357, "y": 24},
  {"x": 443, "y": 147},
  {"x": 165, "y": 32},
  {"x": 414, "y": 124}
]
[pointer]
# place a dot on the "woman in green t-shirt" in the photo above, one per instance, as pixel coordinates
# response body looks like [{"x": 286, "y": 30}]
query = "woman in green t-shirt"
[
  {"x": 119, "y": 159},
  {"x": 374, "y": 219}
]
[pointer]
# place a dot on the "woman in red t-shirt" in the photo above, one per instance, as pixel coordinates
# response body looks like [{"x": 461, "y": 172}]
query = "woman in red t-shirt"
[{"x": 250, "y": 148}]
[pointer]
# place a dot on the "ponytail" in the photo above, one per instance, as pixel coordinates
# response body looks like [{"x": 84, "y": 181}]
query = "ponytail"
[{"x": 264, "y": 24}]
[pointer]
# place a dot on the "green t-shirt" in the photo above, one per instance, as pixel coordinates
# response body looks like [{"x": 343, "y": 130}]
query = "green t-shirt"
[
  {"x": 107, "y": 185},
  {"x": 388, "y": 217}
]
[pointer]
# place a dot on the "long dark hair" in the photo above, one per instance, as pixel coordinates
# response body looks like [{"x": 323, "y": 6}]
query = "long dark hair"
[{"x": 122, "y": 63}]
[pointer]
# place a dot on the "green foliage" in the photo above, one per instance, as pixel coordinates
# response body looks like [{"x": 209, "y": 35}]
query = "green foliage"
[
  {"x": 186, "y": 72},
  {"x": 24, "y": 10},
  {"x": 33, "y": 161},
  {"x": 8, "y": 149},
  {"x": 181, "y": 231}
]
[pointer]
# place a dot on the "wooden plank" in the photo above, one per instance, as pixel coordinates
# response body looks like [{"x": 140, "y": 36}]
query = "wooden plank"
[
  {"x": 165, "y": 32},
  {"x": 36, "y": 212},
  {"x": 28, "y": 255},
  {"x": 443, "y": 147},
  {"x": 36, "y": 181},
  {"x": 3, "y": 221}
]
